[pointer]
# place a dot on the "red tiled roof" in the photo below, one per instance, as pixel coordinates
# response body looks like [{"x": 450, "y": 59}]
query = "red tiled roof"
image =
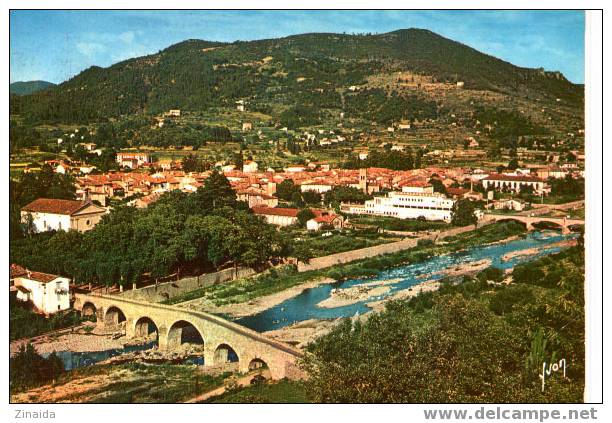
[
  {"x": 518, "y": 178},
  {"x": 456, "y": 191},
  {"x": 275, "y": 211},
  {"x": 54, "y": 206},
  {"x": 16, "y": 270},
  {"x": 39, "y": 276}
]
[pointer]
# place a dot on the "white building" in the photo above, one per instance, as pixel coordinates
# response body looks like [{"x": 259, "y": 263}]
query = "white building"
[
  {"x": 411, "y": 203},
  {"x": 513, "y": 182},
  {"x": 250, "y": 166},
  {"x": 47, "y": 293},
  {"x": 50, "y": 214},
  {"x": 318, "y": 187},
  {"x": 133, "y": 160}
]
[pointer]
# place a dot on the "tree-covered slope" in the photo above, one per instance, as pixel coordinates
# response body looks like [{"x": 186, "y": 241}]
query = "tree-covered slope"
[
  {"x": 311, "y": 69},
  {"x": 28, "y": 87}
]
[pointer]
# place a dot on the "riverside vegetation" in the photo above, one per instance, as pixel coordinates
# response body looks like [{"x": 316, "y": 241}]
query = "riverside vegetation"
[
  {"x": 469, "y": 342},
  {"x": 276, "y": 280}
]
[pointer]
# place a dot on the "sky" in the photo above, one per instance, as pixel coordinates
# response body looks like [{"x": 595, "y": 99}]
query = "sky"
[{"x": 54, "y": 45}]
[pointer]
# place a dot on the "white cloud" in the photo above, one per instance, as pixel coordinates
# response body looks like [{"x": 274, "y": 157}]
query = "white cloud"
[
  {"x": 90, "y": 49},
  {"x": 127, "y": 37}
]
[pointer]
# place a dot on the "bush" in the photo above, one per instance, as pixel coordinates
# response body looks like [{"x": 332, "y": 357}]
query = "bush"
[
  {"x": 504, "y": 300},
  {"x": 491, "y": 274},
  {"x": 28, "y": 368}
]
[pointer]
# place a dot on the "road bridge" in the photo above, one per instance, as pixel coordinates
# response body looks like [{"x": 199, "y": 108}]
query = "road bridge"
[{"x": 563, "y": 222}]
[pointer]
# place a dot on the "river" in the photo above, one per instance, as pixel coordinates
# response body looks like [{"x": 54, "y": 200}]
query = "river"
[{"x": 304, "y": 306}]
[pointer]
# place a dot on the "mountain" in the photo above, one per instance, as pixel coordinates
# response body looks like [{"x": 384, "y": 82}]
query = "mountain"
[
  {"x": 28, "y": 87},
  {"x": 307, "y": 70}
]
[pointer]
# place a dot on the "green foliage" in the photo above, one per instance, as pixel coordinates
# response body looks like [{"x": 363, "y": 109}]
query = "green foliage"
[
  {"x": 491, "y": 273},
  {"x": 29, "y": 369},
  {"x": 281, "y": 392},
  {"x": 504, "y": 300},
  {"x": 462, "y": 213},
  {"x": 198, "y": 231},
  {"x": 304, "y": 216},
  {"x": 462, "y": 343},
  {"x": 24, "y": 323},
  {"x": 396, "y": 160},
  {"x": 197, "y": 75}
]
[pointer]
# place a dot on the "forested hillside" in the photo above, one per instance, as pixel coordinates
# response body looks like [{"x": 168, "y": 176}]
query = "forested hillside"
[{"x": 310, "y": 70}]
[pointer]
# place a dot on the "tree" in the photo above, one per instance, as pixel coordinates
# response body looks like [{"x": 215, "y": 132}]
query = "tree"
[
  {"x": 311, "y": 197},
  {"x": 513, "y": 164},
  {"x": 438, "y": 186},
  {"x": 304, "y": 216},
  {"x": 285, "y": 189},
  {"x": 462, "y": 213}
]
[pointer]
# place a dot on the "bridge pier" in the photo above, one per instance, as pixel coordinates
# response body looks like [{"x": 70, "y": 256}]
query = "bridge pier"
[{"x": 565, "y": 230}]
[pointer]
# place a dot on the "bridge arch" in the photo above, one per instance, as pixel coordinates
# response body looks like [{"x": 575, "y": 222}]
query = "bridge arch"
[
  {"x": 547, "y": 224},
  {"x": 257, "y": 363},
  {"x": 114, "y": 316},
  {"x": 144, "y": 327},
  {"x": 224, "y": 353},
  {"x": 88, "y": 309},
  {"x": 183, "y": 332}
]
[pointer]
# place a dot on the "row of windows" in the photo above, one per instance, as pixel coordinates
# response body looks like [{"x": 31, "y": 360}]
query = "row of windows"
[{"x": 421, "y": 207}]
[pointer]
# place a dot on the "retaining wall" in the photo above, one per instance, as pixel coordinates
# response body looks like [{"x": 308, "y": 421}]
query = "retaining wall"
[
  {"x": 168, "y": 290},
  {"x": 377, "y": 250}
]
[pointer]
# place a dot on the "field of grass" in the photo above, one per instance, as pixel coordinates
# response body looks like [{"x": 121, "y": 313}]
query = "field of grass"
[
  {"x": 339, "y": 242},
  {"x": 282, "y": 392},
  {"x": 125, "y": 383},
  {"x": 278, "y": 279}
]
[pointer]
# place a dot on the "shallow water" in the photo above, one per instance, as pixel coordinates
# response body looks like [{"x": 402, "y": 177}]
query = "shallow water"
[{"x": 304, "y": 306}]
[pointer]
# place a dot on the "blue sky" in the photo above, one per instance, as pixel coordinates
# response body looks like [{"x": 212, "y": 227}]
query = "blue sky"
[{"x": 55, "y": 45}]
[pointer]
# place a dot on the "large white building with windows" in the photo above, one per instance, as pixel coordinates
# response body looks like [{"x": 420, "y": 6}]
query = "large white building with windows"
[{"x": 410, "y": 203}]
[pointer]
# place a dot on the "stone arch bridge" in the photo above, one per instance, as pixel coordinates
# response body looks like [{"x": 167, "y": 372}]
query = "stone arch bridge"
[
  {"x": 563, "y": 222},
  {"x": 223, "y": 341}
]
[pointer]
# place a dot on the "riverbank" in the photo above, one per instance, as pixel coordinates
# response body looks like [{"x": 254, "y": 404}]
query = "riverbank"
[
  {"x": 124, "y": 383},
  {"x": 256, "y": 305},
  {"x": 346, "y": 296},
  {"x": 235, "y": 296}
]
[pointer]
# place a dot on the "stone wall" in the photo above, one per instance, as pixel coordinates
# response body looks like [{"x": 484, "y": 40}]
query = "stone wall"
[
  {"x": 171, "y": 289},
  {"x": 377, "y": 250}
]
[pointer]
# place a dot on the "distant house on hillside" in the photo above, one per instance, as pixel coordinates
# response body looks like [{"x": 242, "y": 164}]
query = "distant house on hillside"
[
  {"x": 249, "y": 166},
  {"x": 47, "y": 214},
  {"x": 133, "y": 160}
]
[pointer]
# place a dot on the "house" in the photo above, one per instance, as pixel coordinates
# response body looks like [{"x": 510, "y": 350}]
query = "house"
[
  {"x": 247, "y": 126},
  {"x": 255, "y": 198},
  {"x": 277, "y": 216},
  {"x": 49, "y": 214},
  {"x": 249, "y": 166},
  {"x": 318, "y": 187},
  {"x": 510, "y": 204},
  {"x": 47, "y": 293},
  {"x": 174, "y": 113},
  {"x": 133, "y": 160},
  {"x": 295, "y": 169},
  {"x": 325, "y": 220}
]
